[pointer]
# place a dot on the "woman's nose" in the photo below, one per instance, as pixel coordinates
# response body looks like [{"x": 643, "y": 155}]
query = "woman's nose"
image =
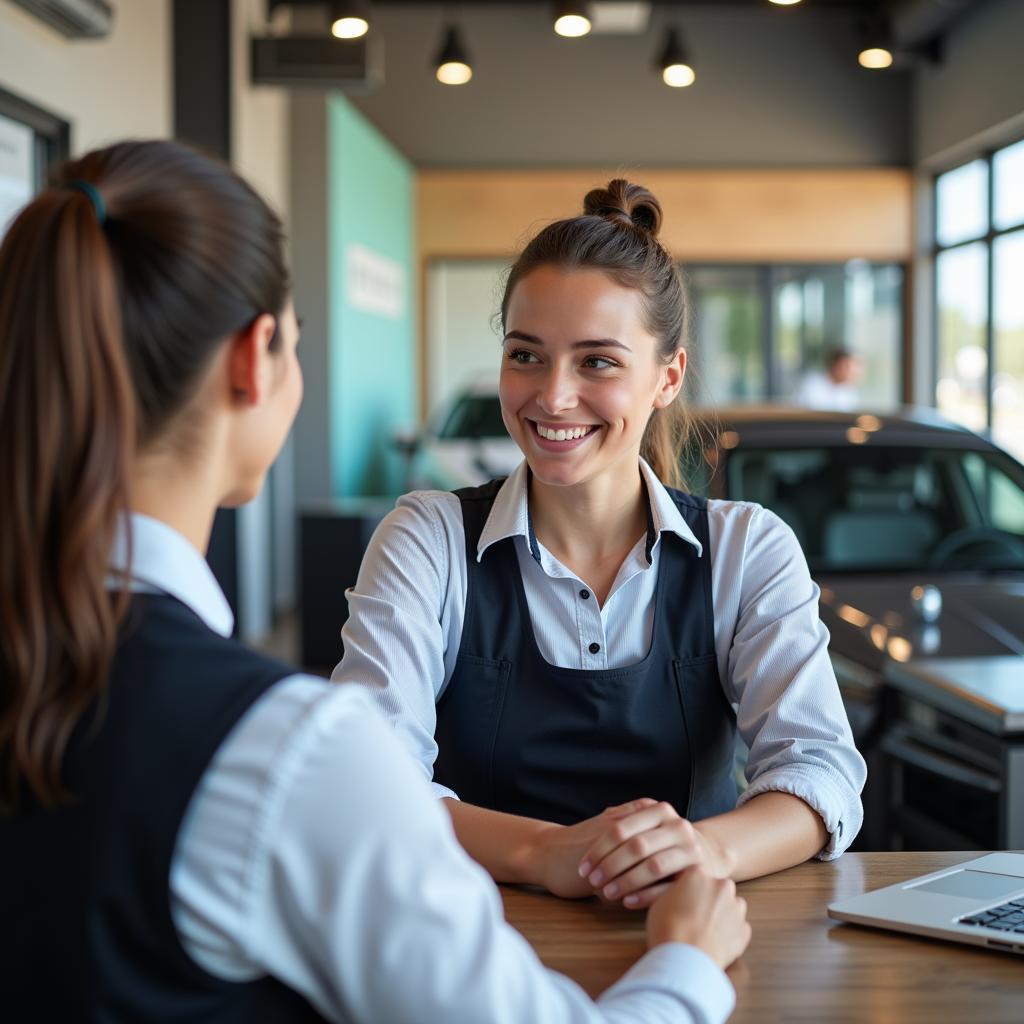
[{"x": 557, "y": 391}]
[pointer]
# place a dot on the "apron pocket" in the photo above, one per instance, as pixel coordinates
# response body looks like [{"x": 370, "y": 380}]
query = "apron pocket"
[{"x": 468, "y": 716}]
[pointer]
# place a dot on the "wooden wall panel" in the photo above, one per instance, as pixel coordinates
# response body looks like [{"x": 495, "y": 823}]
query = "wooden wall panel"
[{"x": 710, "y": 215}]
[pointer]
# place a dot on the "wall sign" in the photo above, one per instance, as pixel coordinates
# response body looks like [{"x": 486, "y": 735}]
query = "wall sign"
[{"x": 374, "y": 283}]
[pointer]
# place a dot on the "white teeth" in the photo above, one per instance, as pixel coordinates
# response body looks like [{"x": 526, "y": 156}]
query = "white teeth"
[{"x": 562, "y": 435}]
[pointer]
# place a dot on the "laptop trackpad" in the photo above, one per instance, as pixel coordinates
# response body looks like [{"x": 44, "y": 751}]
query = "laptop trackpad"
[{"x": 973, "y": 884}]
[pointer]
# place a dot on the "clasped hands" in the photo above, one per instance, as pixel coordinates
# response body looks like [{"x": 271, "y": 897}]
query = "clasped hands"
[{"x": 629, "y": 854}]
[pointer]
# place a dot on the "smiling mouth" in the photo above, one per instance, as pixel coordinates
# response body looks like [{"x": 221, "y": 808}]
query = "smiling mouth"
[{"x": 564, "y": 434}]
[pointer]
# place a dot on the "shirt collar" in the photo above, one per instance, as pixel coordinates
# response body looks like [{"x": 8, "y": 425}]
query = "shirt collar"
[
  {"x": 510, "y": 514},
  {"x": 163, "y": 560},
  {"x": 663, "y": 513}
]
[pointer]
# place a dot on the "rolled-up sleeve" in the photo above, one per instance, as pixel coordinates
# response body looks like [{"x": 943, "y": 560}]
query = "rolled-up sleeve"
[
  {"x": 789, "y": 709},
  {"x": 396, "y": 636}
]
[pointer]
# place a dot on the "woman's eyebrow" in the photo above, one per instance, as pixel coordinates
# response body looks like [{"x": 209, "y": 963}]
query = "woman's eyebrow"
[
  {"x": 586, "y": 343},
  {"x": 523, "y": 336},
  {"x": 601, "y": 343}
]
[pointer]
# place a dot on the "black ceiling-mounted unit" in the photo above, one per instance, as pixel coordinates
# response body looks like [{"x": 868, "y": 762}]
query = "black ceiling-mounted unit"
[
  {"x": 76, "y": 19},
  {"x": 355, "y": 65}
]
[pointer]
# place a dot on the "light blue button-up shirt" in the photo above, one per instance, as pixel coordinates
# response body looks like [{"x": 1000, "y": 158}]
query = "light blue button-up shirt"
[
  {"x": 314, "y": 852},
  {"x": 407, "y": 608}
]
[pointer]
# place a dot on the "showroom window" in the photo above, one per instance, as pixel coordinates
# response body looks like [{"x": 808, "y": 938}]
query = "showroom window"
[
  {"x": 979, "y": 297},
  {"x": 31, "y": 141},
  {"x": 756, "y": 329},
  {"x": 759, "y": 329}
]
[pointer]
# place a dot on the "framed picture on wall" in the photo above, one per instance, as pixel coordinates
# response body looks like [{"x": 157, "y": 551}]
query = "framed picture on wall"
[{"x": 32, "y": 140}]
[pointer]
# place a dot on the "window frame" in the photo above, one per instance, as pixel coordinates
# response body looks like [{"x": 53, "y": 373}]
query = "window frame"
[{"x": 988, "y": 155}]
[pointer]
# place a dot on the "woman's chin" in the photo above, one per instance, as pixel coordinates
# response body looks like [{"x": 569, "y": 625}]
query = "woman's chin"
[
  {"x": 243, "y": 492},
  {"x": 548, "y": 472}
]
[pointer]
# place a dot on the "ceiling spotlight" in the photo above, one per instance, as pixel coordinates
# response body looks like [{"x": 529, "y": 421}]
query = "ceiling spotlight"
[
  {"x": 674, "y": 62},
  {"x": 784, "y": 3},
  {"x": 876, "y": 49},
  {"x": 452, "y": 63},
  {"x": 875, "y": 57},
  {"x": 349, "y": 19},
  {"x": 571, "y": 19}
]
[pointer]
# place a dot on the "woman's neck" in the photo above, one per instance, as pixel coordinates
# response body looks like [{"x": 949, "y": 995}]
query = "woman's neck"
[
  {"x": 591, "y": 524},
  {"x": 183, "y": 497}
]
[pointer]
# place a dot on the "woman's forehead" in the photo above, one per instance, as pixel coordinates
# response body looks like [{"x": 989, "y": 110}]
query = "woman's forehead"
[{"x": 584, "y": 303}]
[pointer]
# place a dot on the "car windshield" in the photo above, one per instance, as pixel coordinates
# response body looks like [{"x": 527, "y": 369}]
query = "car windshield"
[
  {"x": 870, "y": 507},
  {"x": 474, "y": 416}
]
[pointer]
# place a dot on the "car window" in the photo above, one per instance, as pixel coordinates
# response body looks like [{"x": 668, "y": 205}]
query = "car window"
[
  {"x": 855, "y": 508},
  {"x": 474, "y": 416},
  {"x": 999, "y": 497}
]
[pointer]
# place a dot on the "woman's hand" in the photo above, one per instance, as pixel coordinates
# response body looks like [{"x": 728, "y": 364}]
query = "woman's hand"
[
  {"x": 701, "y": 911},
  {"x": 556, "y": 853},
  {"x": 639, "y": 854}
]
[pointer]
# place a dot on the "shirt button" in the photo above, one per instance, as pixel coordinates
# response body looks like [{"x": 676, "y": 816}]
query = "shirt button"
[
  {"x": 594, "y": 648},
  {"x": 585, "y": 594}
]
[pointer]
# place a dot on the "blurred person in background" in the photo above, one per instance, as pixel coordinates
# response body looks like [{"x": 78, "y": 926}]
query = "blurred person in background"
[{"x": 836, "y": 386}]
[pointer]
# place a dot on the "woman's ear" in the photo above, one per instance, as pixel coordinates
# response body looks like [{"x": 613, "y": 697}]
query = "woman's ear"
[
  {"x": 671, "y": 379},
  {"x": 249, "y": 360}
]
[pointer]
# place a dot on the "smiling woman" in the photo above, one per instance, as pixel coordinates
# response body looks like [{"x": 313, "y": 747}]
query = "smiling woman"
[
  {"x": 591, "y": 396},
  {"x": 571, "y": 651}
]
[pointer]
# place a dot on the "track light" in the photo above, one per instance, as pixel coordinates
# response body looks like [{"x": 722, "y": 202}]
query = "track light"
[
  {"x": 452, "y": 64},
  {"x": 676, "y": 69},
  {"x": 571, "y": 19},
  {"x": 876, "y": 49},
  {"x": 350, "y": 19}
]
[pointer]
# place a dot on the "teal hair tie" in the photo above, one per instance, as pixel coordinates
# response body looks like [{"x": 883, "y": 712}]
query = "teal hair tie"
[{"x": 94, "y": 197}]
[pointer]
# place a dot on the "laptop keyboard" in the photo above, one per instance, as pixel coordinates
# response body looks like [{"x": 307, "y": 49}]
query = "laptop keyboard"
[{"x": 1007, "y": 917}]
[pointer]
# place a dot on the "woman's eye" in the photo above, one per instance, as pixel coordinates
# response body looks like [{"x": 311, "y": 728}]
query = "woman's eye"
[
  {"x": 598, "y": 363},
  {"x": 520, "y": 355}
]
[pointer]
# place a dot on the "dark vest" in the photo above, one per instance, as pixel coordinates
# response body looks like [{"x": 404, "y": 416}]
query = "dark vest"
[
  {"x": 86, "y": 932},
  {"x": 520, "y": 735}
]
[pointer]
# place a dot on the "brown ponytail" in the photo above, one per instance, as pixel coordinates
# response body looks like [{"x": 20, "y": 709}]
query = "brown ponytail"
[
  {"x": 105, "y": 329},
  {"x": 618, "y": 233}
]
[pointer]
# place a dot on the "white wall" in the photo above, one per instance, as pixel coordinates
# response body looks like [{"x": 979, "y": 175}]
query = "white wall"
[
  {"x": 107, "y": 89},
  {"x": 462, "y": 346}
]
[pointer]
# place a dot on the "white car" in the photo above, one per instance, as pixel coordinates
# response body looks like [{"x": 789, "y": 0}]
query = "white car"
[{"x": 464, "y": 444}]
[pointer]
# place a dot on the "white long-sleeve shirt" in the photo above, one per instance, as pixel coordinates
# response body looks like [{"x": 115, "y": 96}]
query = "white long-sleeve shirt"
[
  {"x": 407, "y": 608},
  {"x": 313, "y": 851}
]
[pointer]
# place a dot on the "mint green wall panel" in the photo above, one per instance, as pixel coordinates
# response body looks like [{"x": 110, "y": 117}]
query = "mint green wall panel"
[{"x": 371, "y": 303}]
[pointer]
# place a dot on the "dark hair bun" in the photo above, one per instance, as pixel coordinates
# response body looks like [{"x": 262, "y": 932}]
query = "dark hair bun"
[{"x": 625, "y": 203}]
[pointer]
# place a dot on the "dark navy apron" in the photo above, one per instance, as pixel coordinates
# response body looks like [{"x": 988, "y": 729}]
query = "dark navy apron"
[{"x": 520, "y": 735}]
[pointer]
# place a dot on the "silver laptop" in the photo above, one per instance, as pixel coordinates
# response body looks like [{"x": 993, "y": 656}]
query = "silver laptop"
[{"x": 980, "y": 901}]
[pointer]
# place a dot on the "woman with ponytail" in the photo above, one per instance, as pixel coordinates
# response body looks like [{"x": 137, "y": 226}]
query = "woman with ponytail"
[
  {"x": 190, "y": 831},
  {"x": 570, "y": 652}
]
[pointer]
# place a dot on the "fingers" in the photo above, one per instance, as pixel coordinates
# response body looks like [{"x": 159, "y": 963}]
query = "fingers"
[
  {"x": 661, "y": 865},
  {"x": 642, "y": 899},
  {"x": 625, "y": 826},
  {"x": 700, "y": 910},
  {"x": 632, "y": 806},
  {"x": 635, "y": 837}
]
